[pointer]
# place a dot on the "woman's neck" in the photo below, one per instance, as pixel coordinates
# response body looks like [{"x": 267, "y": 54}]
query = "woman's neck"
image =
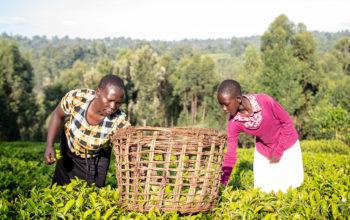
[
  {"x": 246, "y": 107},
  {"x": 93, "y": 116}
]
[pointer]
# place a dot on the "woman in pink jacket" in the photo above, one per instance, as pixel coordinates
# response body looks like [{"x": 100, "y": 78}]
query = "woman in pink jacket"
[{"x": 278, "y": 162}]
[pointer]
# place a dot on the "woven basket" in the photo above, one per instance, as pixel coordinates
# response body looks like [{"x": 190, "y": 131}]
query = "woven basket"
[{"x": 169, "y": 169}]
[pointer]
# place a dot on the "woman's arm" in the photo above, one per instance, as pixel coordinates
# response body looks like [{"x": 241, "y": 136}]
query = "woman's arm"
[
  {"x": 287, "y": 130},
  {"x": 55, "y": 125},
  {"x": 231, "y": 154}
]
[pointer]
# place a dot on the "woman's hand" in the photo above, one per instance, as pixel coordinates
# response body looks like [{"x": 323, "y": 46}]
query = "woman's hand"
[
  {"x": 50, "y": 155},
  {"x": 225, "y": 176},
  {"x": 273, "y": 159}
]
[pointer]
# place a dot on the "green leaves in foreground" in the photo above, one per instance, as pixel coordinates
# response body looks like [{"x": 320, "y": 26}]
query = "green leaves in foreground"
[
  {"x": 73, "y": 201},
  {"x": 325, "y": 193}
]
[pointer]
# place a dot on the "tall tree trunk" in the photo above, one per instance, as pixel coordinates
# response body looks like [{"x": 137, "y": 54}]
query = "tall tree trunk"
[
  {"x": 194, "y": 108},
  {"x": 130, "y": 109},
  {"x": 203, "y": 115}
]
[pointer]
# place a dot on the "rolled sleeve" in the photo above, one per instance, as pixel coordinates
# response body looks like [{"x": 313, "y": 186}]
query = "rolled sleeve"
[{"x": 67, "y": 102}]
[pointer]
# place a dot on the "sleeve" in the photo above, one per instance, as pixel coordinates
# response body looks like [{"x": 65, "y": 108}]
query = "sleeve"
[
  {"x": 231, "y": 154},
  {"x": 67, "y": 102},
  {"x": 121, "y": 122},
  {"x": 287, "y": 128},
  {"x": 127, "y": 124}
]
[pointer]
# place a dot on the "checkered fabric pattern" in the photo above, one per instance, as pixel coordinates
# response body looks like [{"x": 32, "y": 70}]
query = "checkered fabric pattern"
[{"x": 86, "y": 140}]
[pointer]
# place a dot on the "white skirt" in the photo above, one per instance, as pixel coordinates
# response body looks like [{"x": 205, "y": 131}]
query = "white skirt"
[{"x": 288, "y": 172}]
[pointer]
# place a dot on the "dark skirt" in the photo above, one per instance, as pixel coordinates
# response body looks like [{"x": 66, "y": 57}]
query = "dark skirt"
[{"x": 69, "y": 166}]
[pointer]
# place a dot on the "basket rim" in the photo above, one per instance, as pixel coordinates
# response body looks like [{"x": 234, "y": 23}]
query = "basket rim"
[{"x": 172, "y": 130}]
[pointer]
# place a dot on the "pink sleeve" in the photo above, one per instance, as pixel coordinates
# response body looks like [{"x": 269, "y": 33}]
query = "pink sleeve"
[
  {"x": 232, "y": 142},
  {"x": 287, "y": 128},
  {"x": 231, "y": 154}
]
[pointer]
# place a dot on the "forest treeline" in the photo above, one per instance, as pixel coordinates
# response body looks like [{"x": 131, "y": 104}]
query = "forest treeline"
[{"x": 173, "y": 83}]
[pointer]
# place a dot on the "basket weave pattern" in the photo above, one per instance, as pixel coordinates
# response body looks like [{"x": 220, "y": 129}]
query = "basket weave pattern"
[{"x": 168, "y": 168}]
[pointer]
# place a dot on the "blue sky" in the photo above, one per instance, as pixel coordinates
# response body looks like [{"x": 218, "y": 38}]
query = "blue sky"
[{"x": 166, "y": 19}]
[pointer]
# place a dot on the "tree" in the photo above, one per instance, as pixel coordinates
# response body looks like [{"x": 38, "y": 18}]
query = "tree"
[
  {"x": 342, "y": 52},
  {"x": 330, "y": 65},
  {"x": 237, "y": 46},
  {"x": 252, "y": 69},
  {"x": 145, "y": 78},
  {"x": 339, "y": 92},
  {"x": 122, "y": 68},
  {"x": 16, "y": 85},
  {"x": 8, "y": 128},
  {"x": 148, "y": 75},
  {"x": 93, "y": 75},
  {"x": 291, "y": 73},
  {"x": 169, "y": 102},
  {"x": 73, "y": 78},
  {"x": 311, "y": 76},
  {"x": 52, "y": 96},
  {"x": 193, "y": 80},
  {"x": 280, "y": 76}
]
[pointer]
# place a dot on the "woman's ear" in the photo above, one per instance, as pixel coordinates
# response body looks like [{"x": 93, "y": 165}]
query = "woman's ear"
[{"x": 98, "y": 92}]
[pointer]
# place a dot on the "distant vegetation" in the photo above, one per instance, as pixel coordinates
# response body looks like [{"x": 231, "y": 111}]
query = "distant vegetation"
[{"x": 173, "y": 83}]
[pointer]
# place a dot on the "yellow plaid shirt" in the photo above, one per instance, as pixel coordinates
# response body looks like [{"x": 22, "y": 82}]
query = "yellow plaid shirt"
[{"x": 85, "y": 139}]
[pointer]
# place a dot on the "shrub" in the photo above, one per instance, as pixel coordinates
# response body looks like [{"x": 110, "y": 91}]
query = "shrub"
[{"x": 325, "y": 146}]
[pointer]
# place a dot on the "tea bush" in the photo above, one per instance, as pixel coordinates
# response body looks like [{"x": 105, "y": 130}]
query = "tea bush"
[
  {"x": 325, "y": 146},
  {"x": 325, "y": 193}
]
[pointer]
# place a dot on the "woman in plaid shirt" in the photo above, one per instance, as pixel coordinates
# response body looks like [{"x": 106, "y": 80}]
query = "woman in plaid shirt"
[{"x": 88, "y": 117}]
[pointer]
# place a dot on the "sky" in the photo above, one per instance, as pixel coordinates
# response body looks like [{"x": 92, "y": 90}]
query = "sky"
[{"x": 166, "y": 19}]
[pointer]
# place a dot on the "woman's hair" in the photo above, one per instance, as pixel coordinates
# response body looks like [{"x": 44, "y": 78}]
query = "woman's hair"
[
  {"x": 113, "y": 80},
  {"x": 230, "y": 87}
]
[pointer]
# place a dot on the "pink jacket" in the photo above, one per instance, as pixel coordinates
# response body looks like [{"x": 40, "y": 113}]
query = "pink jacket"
[{"x": 271, "y": 125}]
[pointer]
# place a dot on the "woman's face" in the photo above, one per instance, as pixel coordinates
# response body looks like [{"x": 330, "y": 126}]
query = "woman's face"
[
  {"x": 229, "y": 103},
  {"x": 109, "y": 99}
]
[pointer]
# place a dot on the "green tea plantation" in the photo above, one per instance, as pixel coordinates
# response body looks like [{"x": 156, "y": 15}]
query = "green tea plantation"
[{"x": 25, "y": 191}]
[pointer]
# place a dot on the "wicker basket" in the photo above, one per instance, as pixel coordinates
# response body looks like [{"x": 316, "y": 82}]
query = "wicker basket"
[{"x": 169, "y": 169}]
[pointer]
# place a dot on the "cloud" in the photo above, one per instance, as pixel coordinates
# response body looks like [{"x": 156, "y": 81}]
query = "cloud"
[
  {"x": 13, "y": 20},
  {"x": 69, "y": 23}
]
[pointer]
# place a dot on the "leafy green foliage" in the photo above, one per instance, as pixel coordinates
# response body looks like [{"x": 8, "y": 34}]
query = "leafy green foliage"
[
  {"x": 329, "y": 121},
  {"x": 146, "y": 82},
  {"x": 75, "y": 200},
  {"x": 25, "y": 191},
  {"x": 342, "y": 52},
  {"x": 193, "y": 80},
  {"x": 174, "y": 83},
  {"x": 290, "y": 70},
  {"x": 16, "y": 93},
  {"x": 325, "y": 146}
]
